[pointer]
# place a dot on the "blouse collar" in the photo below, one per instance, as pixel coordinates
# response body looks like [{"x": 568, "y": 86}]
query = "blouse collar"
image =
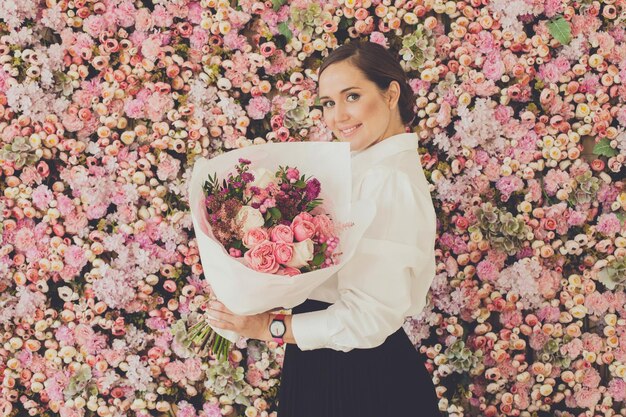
[{"x": 401, "y": 142}]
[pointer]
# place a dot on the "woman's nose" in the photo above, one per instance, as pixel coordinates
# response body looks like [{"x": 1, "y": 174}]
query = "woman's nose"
[{"x": 341, "y": 114}]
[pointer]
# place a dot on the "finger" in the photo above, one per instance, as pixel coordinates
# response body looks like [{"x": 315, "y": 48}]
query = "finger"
[
  {"x": 219, "y": 324},
  {"x": 220, "y": 316}
]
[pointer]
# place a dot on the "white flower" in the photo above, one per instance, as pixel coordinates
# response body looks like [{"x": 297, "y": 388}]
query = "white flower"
[
  {"x": 249, "y": 218},
  {"x": 302, "y": 253},
  {"x": 262, "y": 178}
]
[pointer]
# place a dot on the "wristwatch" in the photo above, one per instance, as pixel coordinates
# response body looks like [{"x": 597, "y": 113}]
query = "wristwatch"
[{"x": 278, "y": 328}]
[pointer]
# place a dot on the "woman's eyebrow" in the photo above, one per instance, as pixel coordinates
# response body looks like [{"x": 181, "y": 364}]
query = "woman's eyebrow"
[{"x": 341, "y": 92}]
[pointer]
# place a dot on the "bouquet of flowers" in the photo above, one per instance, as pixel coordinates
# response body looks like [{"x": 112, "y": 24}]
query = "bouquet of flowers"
[
  {"x": 268, "y": 222},
  {"x": 267, "y": 235}
]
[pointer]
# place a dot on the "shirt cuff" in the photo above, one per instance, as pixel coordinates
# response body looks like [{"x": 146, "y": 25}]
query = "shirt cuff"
[{"x": 310, "y": 329}]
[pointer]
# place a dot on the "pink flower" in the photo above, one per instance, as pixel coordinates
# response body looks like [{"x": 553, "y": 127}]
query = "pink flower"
[
  {"x": 258, "y": 107},
  {"x": 175, "y": 371},
  {"x": 596, "y": 303},
  {"x": 254, "y": 236},
  {"x": 143, "y": 20},
  {"x": 134, "y": 108},
  {"x": 288, "y": 270},
  {"x": 324, "y": 227},
  {"x": 293, "y": 174},
  {"x": 281, "y": 233},
  {"x": 379, "y": 38},
  {"x": 212, "y": 410},
  {"x": 168, "y": 168},
  {"x": 608, "y": 224},
  {"x": 592, "y": 342},
  {"x": 617, "y": 389},
  {"x": 151, "y": 47},
  {"x": 303, "y": 230},
  {"x": 261, "y": 258},
  {"x": 303, "y": 216},
  {"x": 75, "y": 257},
  {"x": 549, "y": 73},
  {"x": 283, "y": 252},
  {"x": 198, "y": 38},
  {"x": 94, "y": 25},
  {"x": 591, "y": 378},
  {"x": 493, "y": 68},
  {"x": 41, "y": 197},
  {"x": 162, "y": 17},
  {"x": 254, "y": 376},
  {"x": 487, "y": 271},
  {"x": 24, "y": 239},
  {"x": 587, "y": 397}
]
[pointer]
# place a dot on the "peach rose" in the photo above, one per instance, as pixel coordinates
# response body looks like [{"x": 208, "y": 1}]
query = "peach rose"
[
  {"x": 283, "y": 252},
  {"x": 261, "y": 258},
  {"x": 281, "y": 233},
  {"x": 254, "y": 236}
]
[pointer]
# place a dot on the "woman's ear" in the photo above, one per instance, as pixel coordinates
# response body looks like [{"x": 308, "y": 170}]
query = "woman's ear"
[{"x": 393, "y": 94}]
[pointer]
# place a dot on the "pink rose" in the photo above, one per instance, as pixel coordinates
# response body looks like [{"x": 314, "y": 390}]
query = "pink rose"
[
  {"x": 303, "y": 230},
  {"x": 254, "y": 236},
  {"x": 302, "y": 216},
  {"x": 261, "y": 258},
  {"x": 283, "y": 252},
  {"x": 281, "y": 233},
  {"x": 293, "y": 174},
  {"x": 288, "y": 271}
]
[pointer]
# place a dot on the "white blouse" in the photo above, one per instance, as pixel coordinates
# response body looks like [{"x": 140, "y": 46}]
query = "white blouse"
[{"x": 390, "y": 275}]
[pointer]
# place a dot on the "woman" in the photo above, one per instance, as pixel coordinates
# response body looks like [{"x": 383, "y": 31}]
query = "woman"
[{"x": 347, "y": 354}]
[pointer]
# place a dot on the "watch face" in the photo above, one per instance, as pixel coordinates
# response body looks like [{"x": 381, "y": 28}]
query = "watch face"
[{"x": 277, "y": 328}]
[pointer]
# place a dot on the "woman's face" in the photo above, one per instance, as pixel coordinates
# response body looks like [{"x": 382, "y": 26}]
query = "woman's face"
[{"x": 355, "y": 109}]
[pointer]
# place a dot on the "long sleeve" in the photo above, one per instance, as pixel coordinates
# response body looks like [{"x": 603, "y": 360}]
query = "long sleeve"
[{"x": 389, "y": 276}]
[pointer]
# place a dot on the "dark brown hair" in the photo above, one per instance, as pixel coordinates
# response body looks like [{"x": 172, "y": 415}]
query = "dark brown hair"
[{"x": 379, "y": 66}]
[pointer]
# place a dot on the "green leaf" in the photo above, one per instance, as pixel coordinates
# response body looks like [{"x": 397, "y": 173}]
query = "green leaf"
[
  {"x": 318, "y": 259},
  {"x": 299, "y": 184},
  {"x": 560, "y": 30},
  {"x": 276, "y": 4},
  {"x": 603, "y": 148},
  {"x": 283, "y": 29},
  {"x": 275, "y": 213}
]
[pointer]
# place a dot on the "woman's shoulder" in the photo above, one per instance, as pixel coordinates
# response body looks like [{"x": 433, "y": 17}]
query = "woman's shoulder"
[{"x": 380, "y": 180}]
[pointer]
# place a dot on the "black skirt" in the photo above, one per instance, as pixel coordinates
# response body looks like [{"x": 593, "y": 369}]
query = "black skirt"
[{"x": 389, "y": 380}]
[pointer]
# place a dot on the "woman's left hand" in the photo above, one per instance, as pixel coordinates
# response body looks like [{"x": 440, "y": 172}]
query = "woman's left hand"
[{"x": 253, "y": 327}]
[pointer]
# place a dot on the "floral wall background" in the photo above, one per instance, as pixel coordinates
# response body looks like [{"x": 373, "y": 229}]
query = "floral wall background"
[{"x": 105, "y": 105}]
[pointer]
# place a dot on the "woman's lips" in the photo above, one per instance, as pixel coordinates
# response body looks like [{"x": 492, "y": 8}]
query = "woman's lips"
[{"x": 350, "y": 132}]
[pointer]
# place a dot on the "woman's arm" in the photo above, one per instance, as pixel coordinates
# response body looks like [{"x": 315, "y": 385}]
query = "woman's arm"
[{"x": 256, "y": 326}]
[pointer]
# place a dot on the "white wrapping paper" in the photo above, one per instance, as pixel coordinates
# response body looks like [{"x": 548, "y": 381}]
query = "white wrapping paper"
[{"x": 243, "y": 290}]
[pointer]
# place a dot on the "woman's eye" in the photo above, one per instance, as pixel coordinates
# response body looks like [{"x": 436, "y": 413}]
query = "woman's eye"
[
  {"x": 324, "y": 104},
  {"x": 353, "y": 95}
]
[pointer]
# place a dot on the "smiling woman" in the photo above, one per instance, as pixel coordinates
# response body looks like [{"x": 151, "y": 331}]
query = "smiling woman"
[{"x": 347, "y": 353}]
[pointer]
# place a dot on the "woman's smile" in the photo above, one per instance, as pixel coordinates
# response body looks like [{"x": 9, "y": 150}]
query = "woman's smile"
[{"x": 350, "y": 131}]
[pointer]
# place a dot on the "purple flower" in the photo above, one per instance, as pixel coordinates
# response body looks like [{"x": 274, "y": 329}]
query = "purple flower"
[{"x": 312, "y": 189}]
